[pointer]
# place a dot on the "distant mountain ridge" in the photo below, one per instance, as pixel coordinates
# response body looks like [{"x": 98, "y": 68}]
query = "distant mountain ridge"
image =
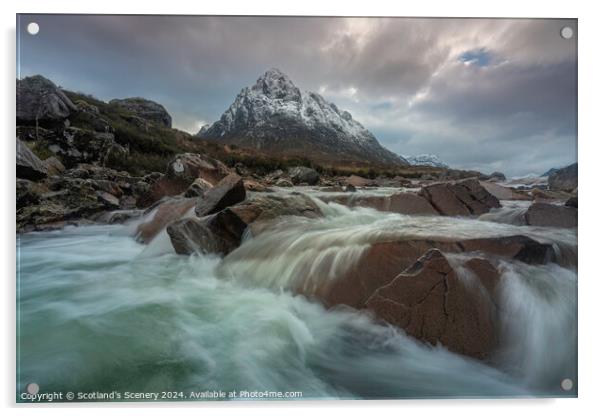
[
  {"x": 275, "y": 115},
  {"x": 426, "y": 160}
]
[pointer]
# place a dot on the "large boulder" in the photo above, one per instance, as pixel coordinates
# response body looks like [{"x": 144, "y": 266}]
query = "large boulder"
[
  {"x": 228, "y": 191},
  {"x": 213, "y": 234},
  {"x": 189, "y": 166},
  {"x": 432, "y": 303},
  {"x": 89, "y": 115},
  {"x": 222, "y": 232},
  {"x": 503, "y": 192},
  {"x": 302, "y": 174},
  {"x": 462, "y": 198},
  {"x": 548, "y": 215},
  {"x": 145, "y": 109},
  {"x": 29, "y": 166},
  {"x": 564, "y": 179},
  {"x": 182, "y": 171},
  {"x": 39, "y": 99},
  {"x": 382, "y": 261}
]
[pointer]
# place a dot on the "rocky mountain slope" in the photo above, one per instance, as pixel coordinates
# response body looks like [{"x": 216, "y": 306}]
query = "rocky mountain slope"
[{"x": 275, "y": 115}]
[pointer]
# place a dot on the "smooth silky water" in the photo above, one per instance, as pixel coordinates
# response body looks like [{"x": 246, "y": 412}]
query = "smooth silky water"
[{"x": 98, "y": 311}]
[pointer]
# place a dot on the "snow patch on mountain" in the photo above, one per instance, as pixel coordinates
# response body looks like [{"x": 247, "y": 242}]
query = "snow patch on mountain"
[{"x": 426, "y": 160}]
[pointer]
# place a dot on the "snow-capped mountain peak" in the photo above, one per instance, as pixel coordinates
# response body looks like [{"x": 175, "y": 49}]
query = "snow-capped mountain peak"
[
  {"x": 275, "y": 115},
  {"x": 276, "y": 84},
  {"x": 426, "y": 160}
]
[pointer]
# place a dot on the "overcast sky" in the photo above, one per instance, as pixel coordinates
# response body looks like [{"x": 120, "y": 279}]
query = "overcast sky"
[{"x": 482, "y": 94}]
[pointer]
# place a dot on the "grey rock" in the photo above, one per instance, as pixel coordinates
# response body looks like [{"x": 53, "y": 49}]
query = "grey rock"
[
  {"x": 40, "y": 99},
  {"x": 29, "y": 166},
  {"x": 198, "y": 188},
  {"x": 548, "y": 215},
  {"x": 146, "y": 109},
  {"x": 283, "y": 183},
  {"x": 229, "y": 191},
  {"x": 302, "y": 174},
  {"x": 222, "y": 232}
]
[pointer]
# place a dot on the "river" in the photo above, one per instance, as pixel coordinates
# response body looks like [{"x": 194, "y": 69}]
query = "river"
[{"x": 98, "y": 311}]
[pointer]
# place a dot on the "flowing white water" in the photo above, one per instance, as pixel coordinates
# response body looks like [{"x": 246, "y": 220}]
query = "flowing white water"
[{"x": 99, "y": 312}]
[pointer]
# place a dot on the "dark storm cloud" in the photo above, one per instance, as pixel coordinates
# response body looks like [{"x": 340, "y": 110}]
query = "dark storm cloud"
[{"x": 482, "y": 93}]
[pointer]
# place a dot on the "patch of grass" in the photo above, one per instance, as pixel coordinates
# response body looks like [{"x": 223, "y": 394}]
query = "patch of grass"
[{"x": 40, "y": 149}]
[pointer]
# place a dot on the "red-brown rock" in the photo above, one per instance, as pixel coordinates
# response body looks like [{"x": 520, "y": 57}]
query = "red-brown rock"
[
  {"x": 461, "y": 198},
  {"x": 165, "y": 213},
  {"x": 381, "y": 262},
  {"x": 548, "y": 215},
  {"x": 430, "y": 302}
]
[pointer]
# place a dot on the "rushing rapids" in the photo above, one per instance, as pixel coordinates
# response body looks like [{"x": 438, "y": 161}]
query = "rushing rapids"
[{"x": 99, "y": 311}]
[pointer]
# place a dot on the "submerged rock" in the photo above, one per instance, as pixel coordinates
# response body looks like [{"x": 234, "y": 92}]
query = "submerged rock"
[
  {"x": 430, "y": 302},
  {"x": 548, "y": 215},
  {"x": 229, "y": 191},
  {"x": 406, "y": 203},
  {"x": 161, "y": 216}
]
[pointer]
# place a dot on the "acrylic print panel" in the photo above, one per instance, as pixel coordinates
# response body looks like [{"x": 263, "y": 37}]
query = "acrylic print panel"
[{"x": 293, "y": 208}]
